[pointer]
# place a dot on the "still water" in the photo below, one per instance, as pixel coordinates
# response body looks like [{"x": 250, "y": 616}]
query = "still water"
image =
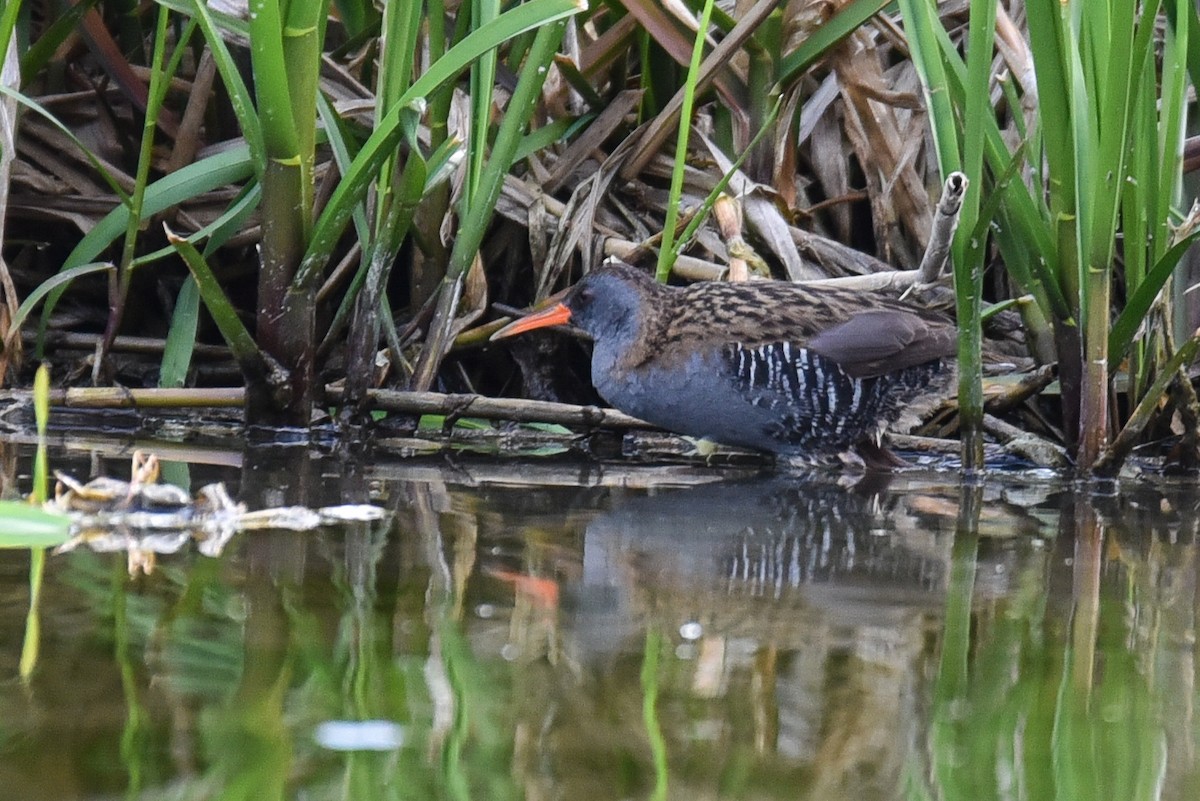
[{"x": 527, "y": 631}]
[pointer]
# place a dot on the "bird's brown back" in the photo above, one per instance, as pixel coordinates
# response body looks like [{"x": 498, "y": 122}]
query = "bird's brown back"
[{"x": 867, "y": 333}]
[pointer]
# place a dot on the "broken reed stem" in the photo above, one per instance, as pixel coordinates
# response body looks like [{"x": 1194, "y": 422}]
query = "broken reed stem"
[
  {"x": 729, "y": 222},
  {"x": 945, "y": 221}
]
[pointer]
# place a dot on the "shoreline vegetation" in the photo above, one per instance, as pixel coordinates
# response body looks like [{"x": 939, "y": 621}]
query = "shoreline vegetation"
[{"x": 319, "y": 213}]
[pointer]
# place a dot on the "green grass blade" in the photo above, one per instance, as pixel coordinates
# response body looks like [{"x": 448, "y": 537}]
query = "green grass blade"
[
  {"x": 923, "y": 27},
  {"x": 702, "y": 213},
  {"x": 1026, "y": 217},
  {"x": 340, "y": 144},
  {"x": 1183, "y": 18},
  {"x": 26, "y": 526},
  {"x": 272, "y": 80},
  {"x": 516, "y": 118},
  {"x": 240, "y": 342},
  {"x": 181, "y": 337},
  {"x": 483, "y": 83},
  {"x": 217, "y": 232},
  {"x": 41, "y": 51},
  {"x": 847, "y": 19},
  {"x": 219, "y": 20},
  {"x": 1138, "y": 304},
  {"x": 478, "y": 217},
  {"x": 156, "y": 94},
  {"x": 667, "y": 254},
  {"x": 228, "y": 167},
  {"x": 560, "y": 130},
  {"x": 58, "y": 281},
  {"x": 386, "y": 136}
]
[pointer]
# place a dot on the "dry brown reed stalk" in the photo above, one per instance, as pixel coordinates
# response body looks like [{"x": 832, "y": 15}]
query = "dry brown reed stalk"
[
  {"x": 123, "y": 398},
  {"x": 508, "y": 409},
  {"x": 945, "y": 221},
  {"x": 413, "y": 403},
  {"x": 728, "y": 217},
  {"x": 886, "y": 149}
]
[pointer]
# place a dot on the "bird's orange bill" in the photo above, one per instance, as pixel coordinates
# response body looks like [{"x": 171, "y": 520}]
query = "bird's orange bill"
[{"x": 557, "y": 314}]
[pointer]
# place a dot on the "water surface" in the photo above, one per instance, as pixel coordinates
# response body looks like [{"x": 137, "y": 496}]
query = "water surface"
[{"x": 524, "y": 631}]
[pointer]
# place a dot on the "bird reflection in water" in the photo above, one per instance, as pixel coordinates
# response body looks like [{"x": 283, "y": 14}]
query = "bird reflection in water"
[{"x": 748, "y": 556}]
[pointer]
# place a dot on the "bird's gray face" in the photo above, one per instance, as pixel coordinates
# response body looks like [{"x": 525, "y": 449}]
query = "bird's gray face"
[{"x": 605, "y": 307}]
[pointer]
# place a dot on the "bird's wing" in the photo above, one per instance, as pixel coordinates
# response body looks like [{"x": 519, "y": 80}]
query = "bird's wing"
[{"x": 880, "y": 341}]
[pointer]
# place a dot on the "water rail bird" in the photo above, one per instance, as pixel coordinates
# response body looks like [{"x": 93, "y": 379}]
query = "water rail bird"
[{"x": 770, "y": 365}]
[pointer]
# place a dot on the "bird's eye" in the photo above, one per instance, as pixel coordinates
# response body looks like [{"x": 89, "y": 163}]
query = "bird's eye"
[{"x": 584, "y": 296}]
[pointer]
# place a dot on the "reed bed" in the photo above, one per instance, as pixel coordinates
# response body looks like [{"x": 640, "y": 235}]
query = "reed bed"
[{"x": 349, "y": 197}]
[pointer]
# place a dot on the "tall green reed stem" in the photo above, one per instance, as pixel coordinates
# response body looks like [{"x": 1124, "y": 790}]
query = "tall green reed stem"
[
  {"x": 961, "y": 149},
  {"x": 1098, "y": 103},
  {"x": 398, "y": 191},
  {"x": 285, "y": 52},
  {"x": 477, "y": 217},
  {"x": 970, "y": 241},
  {"x": 666, "y": 253},
  {"x": 280, "y": 131},
  {"x": 161, "y": 70}
]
